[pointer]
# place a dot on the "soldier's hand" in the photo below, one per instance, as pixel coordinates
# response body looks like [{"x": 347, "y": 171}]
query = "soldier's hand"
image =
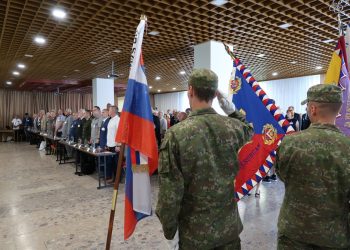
[{"x": 226, "y": 105}]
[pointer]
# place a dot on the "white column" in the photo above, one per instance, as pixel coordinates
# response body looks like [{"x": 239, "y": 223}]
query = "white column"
[
  {"x": 212, "y": 55},
  {"x": 102, "y": 92}
]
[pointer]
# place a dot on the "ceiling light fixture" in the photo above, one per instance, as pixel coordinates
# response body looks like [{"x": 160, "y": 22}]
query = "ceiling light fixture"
[
  {"x": 285, "y": 25},
  {"x": 182, "y": 72},
  {"x": 40, "y": 40},
  {"x": 293, "y": 62},
  {"x": 117, "y": 51},
  {"x": 58, "y": 13},
  {"x": 16, "y": 73},
  {"x": 21, "y": 66},
  {"x": 150, "y": 87},
  {"x": 157, "y": 78},
  {"x": 158, "y": 90},
  {"x": 76, "y": 70},
  {"x": 274, "y": 73},
  {"x": 8, "y": 83},
  {"x": 219, "y": 2},
  {"x": 172, "y": 59},
  {"x": 261, "y": 55},
  {"x": 28, "y": 55},
  {"x": 174, "y": 88},
  {"x": 328, "y": 41},
  {"x": 153, "y": 33},
  {"x": 318, "y": 67},
  {"x": 93, "y": 62}
]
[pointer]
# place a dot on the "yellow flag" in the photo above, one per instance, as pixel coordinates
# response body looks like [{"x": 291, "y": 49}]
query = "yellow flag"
[{"x": 333, "y": 72}]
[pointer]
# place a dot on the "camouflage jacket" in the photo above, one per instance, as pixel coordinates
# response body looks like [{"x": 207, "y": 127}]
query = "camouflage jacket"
[
  {"x": 197, "y": 166},
  {"x": 315, "y": 167}
]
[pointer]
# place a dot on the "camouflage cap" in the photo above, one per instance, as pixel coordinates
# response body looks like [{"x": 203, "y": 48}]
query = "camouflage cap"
[
  {"x": 324, "y": 93},
  {"x": 203, "y": 79}
]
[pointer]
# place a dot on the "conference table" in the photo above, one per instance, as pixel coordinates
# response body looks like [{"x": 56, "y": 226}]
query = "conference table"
[
  {"x": 99, "y": 156},
  {"x": 51, "y": 143},
  {"x": 8, "y": 132}
]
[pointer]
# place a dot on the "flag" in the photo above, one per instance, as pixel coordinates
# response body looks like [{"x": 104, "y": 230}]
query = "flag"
[
  {"x": 338, "y": 74},
  {"x": 347, "y": 44},
  {"x": 258, "y": 156},
  {"x": 136, "y": 130}
]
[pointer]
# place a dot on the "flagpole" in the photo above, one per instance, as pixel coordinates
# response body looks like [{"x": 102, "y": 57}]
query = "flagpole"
[
  {"x": 227, "y": 48},
  {"x": 114, "y": 197}
]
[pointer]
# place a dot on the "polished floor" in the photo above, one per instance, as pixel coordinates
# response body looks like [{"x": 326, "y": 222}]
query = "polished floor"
[{"x": 43, "y": 205}]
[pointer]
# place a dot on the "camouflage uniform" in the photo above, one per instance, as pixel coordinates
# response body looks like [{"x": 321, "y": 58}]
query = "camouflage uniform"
[
  {"x": 197, "y": 166},
  {"x": 315, "y": 167}
]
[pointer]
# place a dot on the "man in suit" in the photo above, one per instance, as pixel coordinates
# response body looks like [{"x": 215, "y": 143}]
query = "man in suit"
[{"x": 103, "y": 129}]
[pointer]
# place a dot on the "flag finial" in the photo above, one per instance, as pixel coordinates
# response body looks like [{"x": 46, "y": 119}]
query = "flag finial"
[{"x": 143, "y": 17}]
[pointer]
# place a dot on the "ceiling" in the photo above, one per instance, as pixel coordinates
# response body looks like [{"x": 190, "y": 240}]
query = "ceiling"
[{"x": 94, "y": 29}]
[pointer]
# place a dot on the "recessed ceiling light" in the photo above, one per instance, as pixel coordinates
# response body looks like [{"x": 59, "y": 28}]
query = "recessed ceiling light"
[
  {"x": 318, "y": 67},
  {"x": 328, "y": 41},
  {"x": 172, "y": 59},
  {"x": 153, "y": 33},
  {"x": 150, "y": 87},
  {"x": 158, "y": 90},
  {"x": 260, "y": 55},
  {"x": 274, "y": 73},
  {"x": 61, "y": 14},
  {"x": 219, "y": 2},
  {"x": 93, "y": 62},
  {"x": 174, "y": 88},
  {"x": 285, "y": 25},
  {"x": 16, "y": 73},
  {"x": 117, "y": 51},
  {"x": 64, "y": 76},
  {"x": 76, "y": 70},
  {"x": 157, "y": 78},
  {"x": 182, "y": 72},
  {"x": 40, "y": 40},
  {"x": 8, "y": 83},
  {"x": 28, "y": 55},
  {"x": 21, "y": 66},
  {"x": 293, "y": 62}
]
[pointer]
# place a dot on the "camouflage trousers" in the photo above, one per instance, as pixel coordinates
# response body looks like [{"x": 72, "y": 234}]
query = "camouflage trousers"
[
  {"x": 232, "y": 245},
  {"x": 285, "y": 243}
]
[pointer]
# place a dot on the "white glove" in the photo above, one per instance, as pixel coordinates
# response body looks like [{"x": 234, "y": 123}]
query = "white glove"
[
  {"x": 174, "y": 243},
  {"x": 227, "y": 106}
]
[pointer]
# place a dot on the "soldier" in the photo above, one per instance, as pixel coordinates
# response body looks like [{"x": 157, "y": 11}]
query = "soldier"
[
  {"x": 314, "y": 164},
  {"x": 197, "y": 166}
]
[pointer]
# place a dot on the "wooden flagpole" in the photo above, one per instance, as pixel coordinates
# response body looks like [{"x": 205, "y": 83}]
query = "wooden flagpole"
[{"x": 114, "y": 197}]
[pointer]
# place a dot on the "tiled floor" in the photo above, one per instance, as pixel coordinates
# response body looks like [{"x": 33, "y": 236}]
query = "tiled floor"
[{"x": 45, "y": 206}]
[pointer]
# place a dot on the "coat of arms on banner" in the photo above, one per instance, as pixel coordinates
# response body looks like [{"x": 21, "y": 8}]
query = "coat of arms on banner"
[{"x": 269, "y": 134}]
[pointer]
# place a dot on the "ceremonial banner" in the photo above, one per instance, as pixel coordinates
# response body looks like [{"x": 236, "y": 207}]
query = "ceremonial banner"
[
  {"x": 136, "y": 130},
  {"x": 338, "y": 74},
  {"x": 257, "y": 156}
]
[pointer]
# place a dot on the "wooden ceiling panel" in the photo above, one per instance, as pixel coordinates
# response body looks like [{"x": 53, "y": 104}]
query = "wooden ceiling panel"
[{"x": 94, "y": 29}]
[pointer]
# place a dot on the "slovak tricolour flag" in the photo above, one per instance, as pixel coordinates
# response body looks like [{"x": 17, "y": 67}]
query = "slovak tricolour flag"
[
  {"x": 136, "y": 130},
  {"x": 258, "y": 156}
]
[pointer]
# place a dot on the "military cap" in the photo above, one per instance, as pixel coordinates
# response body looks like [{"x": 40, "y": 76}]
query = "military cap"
[
  {"x": 203, "y": 79},
  {"x": 324, "y": 93}
]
